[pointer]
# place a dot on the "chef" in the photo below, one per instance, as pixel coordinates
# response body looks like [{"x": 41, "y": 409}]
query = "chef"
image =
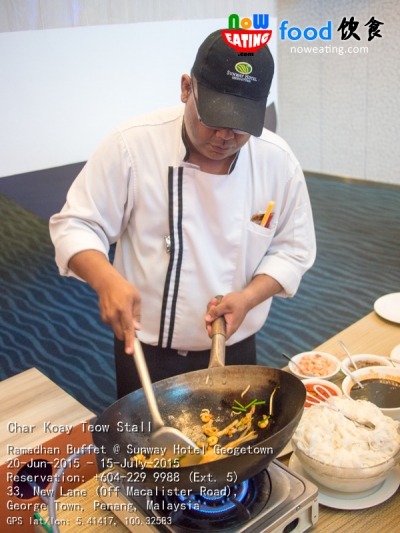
[{"x": 201, "y": 201}]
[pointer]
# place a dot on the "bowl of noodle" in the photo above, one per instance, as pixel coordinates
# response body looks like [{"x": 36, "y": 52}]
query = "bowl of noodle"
[{"x": 341, "y": 455}]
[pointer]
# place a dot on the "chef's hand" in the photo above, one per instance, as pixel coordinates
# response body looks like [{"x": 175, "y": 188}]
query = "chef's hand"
[
  {"x": 119, "y": 300},
  {"x": 233, "y": 306},
  {"x": 119, "y": 303}
]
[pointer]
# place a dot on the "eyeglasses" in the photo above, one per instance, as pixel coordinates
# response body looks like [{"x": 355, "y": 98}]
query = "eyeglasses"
[{"x": 239, "y": 132}]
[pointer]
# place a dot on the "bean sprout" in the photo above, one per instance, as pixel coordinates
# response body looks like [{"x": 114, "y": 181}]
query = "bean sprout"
[{"x": 245, "y": 390}]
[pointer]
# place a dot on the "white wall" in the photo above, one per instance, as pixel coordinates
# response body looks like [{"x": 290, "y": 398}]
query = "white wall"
[
  {"x": 341, "y": 113},
  {"x": 63, "y": 90},
  {"x": 22, "y": 15},
  {"x": 73, "y": 69}
]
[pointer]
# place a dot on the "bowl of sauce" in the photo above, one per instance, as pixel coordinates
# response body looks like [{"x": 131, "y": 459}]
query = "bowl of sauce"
[
  {"x": 319, "y": 390},
  {"x": 381, "y": 387}
]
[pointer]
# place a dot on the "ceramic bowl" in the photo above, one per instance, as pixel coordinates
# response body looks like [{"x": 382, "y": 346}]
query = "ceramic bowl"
[
  {"x": 326, "y": 356},
  {"x": 319, "y": 389},
  {"x": 346, "y": 479},
  {"x": 376, "y": 372},
  {"x": 365, "y": 358}
]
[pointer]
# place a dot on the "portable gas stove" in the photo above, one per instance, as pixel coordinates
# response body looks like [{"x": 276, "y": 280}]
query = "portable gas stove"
[{"x": 275, "y": 500}]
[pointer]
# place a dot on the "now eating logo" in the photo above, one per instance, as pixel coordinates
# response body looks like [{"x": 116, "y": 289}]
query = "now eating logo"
[{"x": 246, "y": 39}]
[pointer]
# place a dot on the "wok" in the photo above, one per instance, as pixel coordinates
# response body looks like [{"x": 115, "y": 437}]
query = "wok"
[{"x": 180, "y": 401}]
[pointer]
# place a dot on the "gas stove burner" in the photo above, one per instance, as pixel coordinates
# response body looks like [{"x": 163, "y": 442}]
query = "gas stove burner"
[
  {"x": 274, "y": 501},
  {"x": 206, "y": 505},
  {"x": 204, "y": 512}
]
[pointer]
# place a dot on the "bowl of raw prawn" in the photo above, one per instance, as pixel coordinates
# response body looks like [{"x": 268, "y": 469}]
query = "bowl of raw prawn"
[{"x": 319, "y": 364}]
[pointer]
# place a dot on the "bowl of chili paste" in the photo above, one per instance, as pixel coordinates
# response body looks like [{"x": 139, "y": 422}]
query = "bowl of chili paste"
[{"x": 319, "y": 390}]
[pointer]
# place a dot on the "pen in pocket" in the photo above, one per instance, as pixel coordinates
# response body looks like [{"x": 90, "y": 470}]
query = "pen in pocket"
[{"x": 268, "y": 215}]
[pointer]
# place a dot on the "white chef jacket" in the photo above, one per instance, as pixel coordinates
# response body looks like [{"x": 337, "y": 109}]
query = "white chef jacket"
[{"x": 137, "y": 189}]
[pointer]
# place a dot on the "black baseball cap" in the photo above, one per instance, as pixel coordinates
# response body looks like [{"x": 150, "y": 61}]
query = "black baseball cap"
[{"x": 232, "y": 90}]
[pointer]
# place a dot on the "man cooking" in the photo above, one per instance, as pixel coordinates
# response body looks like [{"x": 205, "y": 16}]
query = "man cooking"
[{"x": 187, "y": 194}]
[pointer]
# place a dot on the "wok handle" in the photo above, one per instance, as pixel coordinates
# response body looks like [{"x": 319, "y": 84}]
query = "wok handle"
[
  {"x": 147, "y": 385},
  {"x": 218, "y": 330}
]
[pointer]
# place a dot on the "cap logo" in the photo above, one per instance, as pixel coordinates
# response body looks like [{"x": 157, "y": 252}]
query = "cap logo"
[{"x": 243, "y": 68}]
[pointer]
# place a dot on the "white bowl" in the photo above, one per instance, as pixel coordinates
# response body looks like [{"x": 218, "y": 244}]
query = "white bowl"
[
  {"x": 395, "y": 353},
  {"x": 380, "y": 361},
  {"x": 297, "y": 358},
  {"x": 383, "y": 372},
  {"x": 346, "y": 479},
  {"x": 336, "y": 391}
]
